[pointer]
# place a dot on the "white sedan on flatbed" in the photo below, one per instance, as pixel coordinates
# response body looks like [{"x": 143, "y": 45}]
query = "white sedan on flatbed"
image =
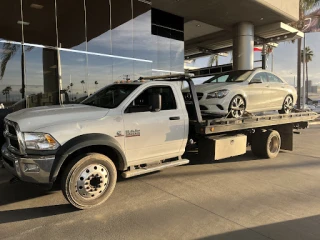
[{"x": 236, "y": 92}]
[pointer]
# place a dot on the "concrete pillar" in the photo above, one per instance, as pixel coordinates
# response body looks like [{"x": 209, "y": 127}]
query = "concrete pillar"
[{"x": 243, "y": 43}]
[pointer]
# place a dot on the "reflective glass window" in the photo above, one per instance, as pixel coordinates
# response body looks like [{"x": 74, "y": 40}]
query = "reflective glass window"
[
  {"x": 164, "y": 52},
  {"x": 122, "y": 28},
  {"x": 98, "y": 26},
  {"x": 122, "y": 69},
  {"x": 177, "y": 55},
  {"x": 42, "y": 85},
  {"x": 10, "y": 73},
  {"x": 99, "y": 72},
  {"x": 10, "y": 21},
  {"x": 40, "y": 22},
  {"x": 142, "y": 69},
  {"x": 71, "y": 24},
  {"x": 142, "y": 37},
  {"x": 74, "y": 76}
]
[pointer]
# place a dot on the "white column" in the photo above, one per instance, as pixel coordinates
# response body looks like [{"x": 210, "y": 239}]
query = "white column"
[{"x": 243, "y": 43}]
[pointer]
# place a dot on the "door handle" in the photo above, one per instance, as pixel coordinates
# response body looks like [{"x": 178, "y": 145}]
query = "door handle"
[{"x": 174, "y": 118}]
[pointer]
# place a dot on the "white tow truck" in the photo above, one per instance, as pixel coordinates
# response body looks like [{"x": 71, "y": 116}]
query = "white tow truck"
[{"x": 131, "y": 128}]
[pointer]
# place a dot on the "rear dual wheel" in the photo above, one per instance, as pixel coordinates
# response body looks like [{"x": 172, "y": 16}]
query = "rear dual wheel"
[{"x": 266, "y": 144}]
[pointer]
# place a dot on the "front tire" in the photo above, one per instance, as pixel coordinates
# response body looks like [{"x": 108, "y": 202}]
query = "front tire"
[
  {"x": 89, "y": 180},
  {"x": 287, "y": 105},
  {"x": 237, "y": 107}
]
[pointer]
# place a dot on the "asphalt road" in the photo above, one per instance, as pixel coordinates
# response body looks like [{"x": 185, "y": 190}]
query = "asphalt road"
[{"x": 240, "y": 198}]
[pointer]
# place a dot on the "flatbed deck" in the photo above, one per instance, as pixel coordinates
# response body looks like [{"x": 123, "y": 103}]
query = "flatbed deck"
[{"x": 224, "y": 125}]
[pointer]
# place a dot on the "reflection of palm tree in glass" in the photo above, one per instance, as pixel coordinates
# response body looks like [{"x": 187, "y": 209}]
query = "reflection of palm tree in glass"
[
  {"x": 83, "y": 82},
  {"x": 96, "y": 85},
  {"x": 8, "y": 52},
  {"x": 71, "y": 85},
  {"x": 6, "y": 92}
]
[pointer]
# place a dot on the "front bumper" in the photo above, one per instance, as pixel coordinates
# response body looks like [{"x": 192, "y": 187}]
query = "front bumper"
[
  {"x": 35, "y": 169},
  {"x": 218, "y": 106}
]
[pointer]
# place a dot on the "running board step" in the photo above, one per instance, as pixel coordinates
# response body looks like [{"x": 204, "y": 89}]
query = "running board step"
[{"x": 140, "y": 171}]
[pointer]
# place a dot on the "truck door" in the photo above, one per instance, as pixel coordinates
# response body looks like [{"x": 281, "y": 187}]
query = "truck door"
[{"x": 150, "y": 135}]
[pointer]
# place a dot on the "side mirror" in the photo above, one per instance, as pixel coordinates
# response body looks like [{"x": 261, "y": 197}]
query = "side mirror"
[
  {"x": 156, "y": 102},
  {"x": 255, "y": 80}
]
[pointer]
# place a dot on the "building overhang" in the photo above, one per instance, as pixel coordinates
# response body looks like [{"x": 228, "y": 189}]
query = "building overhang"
[
  {"x": 222, "y": 41},
  {"x": 209, "y": 23}
]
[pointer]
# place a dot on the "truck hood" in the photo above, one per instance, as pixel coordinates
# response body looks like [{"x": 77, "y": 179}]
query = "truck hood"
[{"x": 31, "y": 119}]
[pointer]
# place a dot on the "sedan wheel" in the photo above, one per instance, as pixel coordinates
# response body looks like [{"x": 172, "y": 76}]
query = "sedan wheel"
[
  {"x": 237, "y": 107},
  {"x": 287, "y": 105}
]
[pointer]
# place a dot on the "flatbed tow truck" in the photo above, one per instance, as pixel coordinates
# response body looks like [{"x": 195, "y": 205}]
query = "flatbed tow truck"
[{"x": 131, "y": 128}]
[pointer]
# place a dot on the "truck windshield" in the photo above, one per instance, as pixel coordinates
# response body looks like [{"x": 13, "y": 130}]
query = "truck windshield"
[
  {"x": 233, "y": 76},
  {"x": 111, "y": 96}
]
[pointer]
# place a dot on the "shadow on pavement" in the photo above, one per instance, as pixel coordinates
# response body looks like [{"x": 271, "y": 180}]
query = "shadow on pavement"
[
  {"x": 19, "y": 191},
  {"x": 303, "y": 228},
  {"x": 32, "y": 213}
]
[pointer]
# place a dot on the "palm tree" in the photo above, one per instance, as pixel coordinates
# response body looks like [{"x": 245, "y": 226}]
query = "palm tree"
[
  {"x": 309, "y": 56},
  {"x": 96, "y": 84},
  {"x": 6, "y": 92},
  {"x": 8, "y": 52},
  {"x": 303, "y": 6},
  {"x": 82, "y": 82}
]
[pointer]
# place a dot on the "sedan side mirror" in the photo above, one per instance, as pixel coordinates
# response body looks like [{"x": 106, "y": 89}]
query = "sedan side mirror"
[{"x": 255, "y": 80}]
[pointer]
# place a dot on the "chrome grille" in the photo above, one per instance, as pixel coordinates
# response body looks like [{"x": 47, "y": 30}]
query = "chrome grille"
[
  {"x": 188, "y": 97},
  {"x": 13, "y": 137}
]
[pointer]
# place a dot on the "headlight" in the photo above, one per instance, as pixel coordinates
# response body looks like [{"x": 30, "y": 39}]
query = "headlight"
[
  {"x": 218, "y": 94},
  {"x": 40, "y": 141}
]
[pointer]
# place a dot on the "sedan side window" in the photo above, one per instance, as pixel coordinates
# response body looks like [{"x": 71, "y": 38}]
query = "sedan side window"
[
  {"x": 143, "y": 103},
  {"x": 262, "y": 76},
  {"x": 274, "y": 79}
]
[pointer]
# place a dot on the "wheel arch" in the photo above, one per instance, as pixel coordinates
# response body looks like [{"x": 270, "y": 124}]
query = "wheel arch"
[{"x": 98, "y": 143}]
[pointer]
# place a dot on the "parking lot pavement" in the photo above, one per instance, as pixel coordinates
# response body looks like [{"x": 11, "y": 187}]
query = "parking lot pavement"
[{"x": 239, "y": 198}]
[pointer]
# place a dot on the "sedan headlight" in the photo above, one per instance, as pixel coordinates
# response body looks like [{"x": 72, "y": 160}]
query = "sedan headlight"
[
  {"x": 218, "y": 94},
  {"x": 40, "y": 141}
]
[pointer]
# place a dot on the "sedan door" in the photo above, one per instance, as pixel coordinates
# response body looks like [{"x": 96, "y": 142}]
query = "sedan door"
[
  {"x": 278, "y": 91},
  {"x": 256, "y": 91}
]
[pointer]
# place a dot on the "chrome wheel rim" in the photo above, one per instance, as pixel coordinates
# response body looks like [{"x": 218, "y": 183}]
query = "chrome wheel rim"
[
  {"x": 237, "y": 107},
  {"x": 274, "y": 144},
  {"x": 92, "y": 181},
  {"x": 288, "y": 105}
]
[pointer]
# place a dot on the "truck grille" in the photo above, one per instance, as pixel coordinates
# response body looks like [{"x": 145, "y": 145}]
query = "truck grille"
[{"x": 13, "y": 137}]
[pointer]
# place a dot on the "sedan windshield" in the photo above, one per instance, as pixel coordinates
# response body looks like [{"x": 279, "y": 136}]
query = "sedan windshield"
[
  {"x": 111, "y": 96},
  {"x": 233, "y": 76}
]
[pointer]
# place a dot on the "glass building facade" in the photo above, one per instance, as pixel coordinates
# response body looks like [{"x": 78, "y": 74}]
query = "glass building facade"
[{"x": 61, "y": 51}]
